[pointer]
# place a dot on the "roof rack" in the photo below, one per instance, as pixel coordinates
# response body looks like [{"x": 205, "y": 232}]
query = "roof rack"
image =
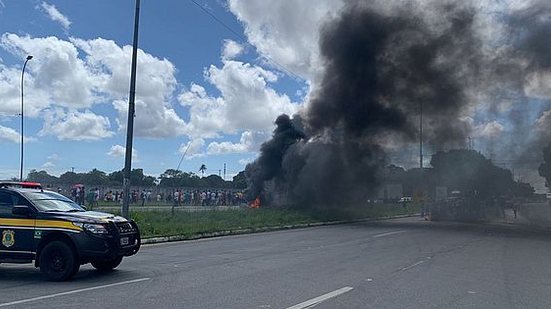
[{"x": 20, "y": 184}]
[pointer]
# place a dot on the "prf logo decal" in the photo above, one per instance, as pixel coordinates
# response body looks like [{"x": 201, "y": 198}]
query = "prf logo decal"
[{"x": 8, "y": 238}]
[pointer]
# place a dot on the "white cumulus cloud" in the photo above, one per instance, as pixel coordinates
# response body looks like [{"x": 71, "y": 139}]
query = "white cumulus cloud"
[
  {"x": 155, "y": 85},
  {"x": 231, "y": 49},
  {"x": 78, "y": 74},
  {"x": 48, "y": 164},
  {"x": 55, "y": 76},
  {"x": 249, "y": 142},
  {"x": 193, "y": 148},
  {"x": 9, "y": 134},
  {"x": 247, "y": 101},
  {"x": 119, "y": 151},
  {"x": 492, "y": 129},
  {"x": 246, "y": 161},
  {"x": 287, "y": 31},
  {"x": 55, "y": 15},
  {"x": 75, "y": 125}
]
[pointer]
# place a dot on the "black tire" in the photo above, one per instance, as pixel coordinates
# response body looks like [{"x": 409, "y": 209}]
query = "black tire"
[
  {"x": 107, "y": 265},
  {"x": 58, "y": 261}
]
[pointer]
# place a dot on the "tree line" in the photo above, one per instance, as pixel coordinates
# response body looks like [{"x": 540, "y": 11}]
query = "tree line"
[
  {"x": 463, "y": 170},
  {"x": 171, "y": 178}
]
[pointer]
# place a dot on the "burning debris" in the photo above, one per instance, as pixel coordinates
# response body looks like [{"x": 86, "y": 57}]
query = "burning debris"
[
  {"x": 383, "y": 68},
  {"x": 255, "y": 203}
]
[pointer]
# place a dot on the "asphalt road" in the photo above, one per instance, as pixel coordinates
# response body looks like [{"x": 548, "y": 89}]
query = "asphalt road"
[{"x": 406, "y": 263}]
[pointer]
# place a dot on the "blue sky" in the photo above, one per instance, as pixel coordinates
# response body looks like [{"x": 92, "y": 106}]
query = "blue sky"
[{"x": 198, "y": 83}]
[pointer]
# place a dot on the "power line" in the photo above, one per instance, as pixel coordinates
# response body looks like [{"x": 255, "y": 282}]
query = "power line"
[
  {"x": 219, "y": 20},
  {"x": 183, "y": 155},
  {"x": 245, "y": 40}
]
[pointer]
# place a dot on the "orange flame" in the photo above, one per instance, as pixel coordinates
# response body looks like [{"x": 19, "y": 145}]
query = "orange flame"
[{"x": 255, "y": 203}]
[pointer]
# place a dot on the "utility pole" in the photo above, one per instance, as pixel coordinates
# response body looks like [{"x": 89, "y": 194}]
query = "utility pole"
[
  {"x": 224, "y": 171},
  {"x": 29, "y": 57},
  {"x": 421, "y": 139},
  {"x": 130, "y": 125},
  {"x": 421, "y": 176}
]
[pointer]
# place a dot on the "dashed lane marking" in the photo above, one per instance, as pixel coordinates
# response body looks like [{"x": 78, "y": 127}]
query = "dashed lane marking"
[
  {"x": 413, "y": 265},
  {"x": 388, "y": 234},
  {"x": 315, "y": 301},
  {"x": 28, "y": 300}
]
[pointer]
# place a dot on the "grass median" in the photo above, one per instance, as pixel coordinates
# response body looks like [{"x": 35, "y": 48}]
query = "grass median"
[{"x": 190, "y": 224}]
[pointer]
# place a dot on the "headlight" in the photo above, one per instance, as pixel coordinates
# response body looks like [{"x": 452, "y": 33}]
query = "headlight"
[{"x": 93, "y": 228}]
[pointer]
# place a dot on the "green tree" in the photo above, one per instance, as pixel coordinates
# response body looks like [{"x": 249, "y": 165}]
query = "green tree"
[
  {"x": 171, "y": 178},
  {"x": 213, "y": 181},
  {"x": 95, "y": 177},
  {"x": 470, "y": 172},
  {"x": 70, "y": 178},
  {"x": 137, "y": 178},
  {"x": 239, "y": 181},
  {"x": 115, "y": 178},
  {"x": 42, "y": 177},
  {"x": 523, "y": 189},
  {"x": 545, "y": 168},
  {"x": 171, "y": 173}
]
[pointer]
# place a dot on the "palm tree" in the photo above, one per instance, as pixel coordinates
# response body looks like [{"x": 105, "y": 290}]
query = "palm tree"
[{"x": 203, "y": 169}]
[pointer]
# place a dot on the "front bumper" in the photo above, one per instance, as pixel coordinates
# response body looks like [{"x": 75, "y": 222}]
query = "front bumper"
[{"x": 123, "y": 240}]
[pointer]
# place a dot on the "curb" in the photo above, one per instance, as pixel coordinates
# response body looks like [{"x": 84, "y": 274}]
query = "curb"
[{"x": 156, "y": 240}]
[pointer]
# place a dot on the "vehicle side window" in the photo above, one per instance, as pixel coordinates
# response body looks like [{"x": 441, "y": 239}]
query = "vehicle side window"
[{"x": 7, "y": 200}]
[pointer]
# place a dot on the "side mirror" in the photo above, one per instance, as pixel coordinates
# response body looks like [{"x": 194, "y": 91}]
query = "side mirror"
[{"x": 21, "y": 210}]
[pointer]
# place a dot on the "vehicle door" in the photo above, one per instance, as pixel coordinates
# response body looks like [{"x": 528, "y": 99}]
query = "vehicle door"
[{"x": 16, "y": 231}]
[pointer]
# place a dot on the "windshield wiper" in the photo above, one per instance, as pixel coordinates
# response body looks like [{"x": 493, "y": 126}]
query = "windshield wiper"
[{"x": 59, "y": 210}]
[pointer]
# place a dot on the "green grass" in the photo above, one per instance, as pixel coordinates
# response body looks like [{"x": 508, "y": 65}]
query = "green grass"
[
  {"x": 188, "y": 224},
  {"x": 163, "y": 223}
]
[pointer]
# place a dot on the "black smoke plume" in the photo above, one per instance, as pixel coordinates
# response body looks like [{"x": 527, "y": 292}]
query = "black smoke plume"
[
  {"x": 382, "y": 68},
  {"x": 269, "y": 164}
]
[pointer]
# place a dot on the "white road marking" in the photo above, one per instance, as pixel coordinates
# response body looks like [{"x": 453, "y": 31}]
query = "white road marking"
[
  {"x": 28, "y": 300},
  {"x": 315, "y": 301},
  {"x": 413, "y": 265},
  {"x": 387, "y": 234}
]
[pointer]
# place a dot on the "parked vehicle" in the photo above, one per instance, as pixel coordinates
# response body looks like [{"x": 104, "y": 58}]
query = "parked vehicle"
[{"x": 58, "y": 234}]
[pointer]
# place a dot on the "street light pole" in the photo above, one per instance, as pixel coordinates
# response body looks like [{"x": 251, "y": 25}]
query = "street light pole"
[
  {"x": 421, "y": 176},
  {"x": 29, "y": 57},
  {"x": 130, "y": 125},
  {"x": 421, "y": 138}
]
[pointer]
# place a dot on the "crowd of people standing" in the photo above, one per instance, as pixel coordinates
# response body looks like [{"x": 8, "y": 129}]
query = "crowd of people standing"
[
  {"x": 205, "y": 197},
  {"x": 176, "y": 197}
]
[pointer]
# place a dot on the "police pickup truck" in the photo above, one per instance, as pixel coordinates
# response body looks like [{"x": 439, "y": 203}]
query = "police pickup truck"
[{"x": 59, "y": 235}]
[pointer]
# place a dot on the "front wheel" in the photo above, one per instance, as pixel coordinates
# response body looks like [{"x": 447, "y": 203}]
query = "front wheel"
[
  {"x": 106, "y": 265},
  {"x": 58, "y": 261}
]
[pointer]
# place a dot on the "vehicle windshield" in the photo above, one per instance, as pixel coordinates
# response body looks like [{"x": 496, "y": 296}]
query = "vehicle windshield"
[{"x": 51, "y": 201}]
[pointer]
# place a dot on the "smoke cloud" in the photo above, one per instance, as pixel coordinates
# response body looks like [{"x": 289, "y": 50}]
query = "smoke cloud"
[{"x": 384, "y": 66}]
